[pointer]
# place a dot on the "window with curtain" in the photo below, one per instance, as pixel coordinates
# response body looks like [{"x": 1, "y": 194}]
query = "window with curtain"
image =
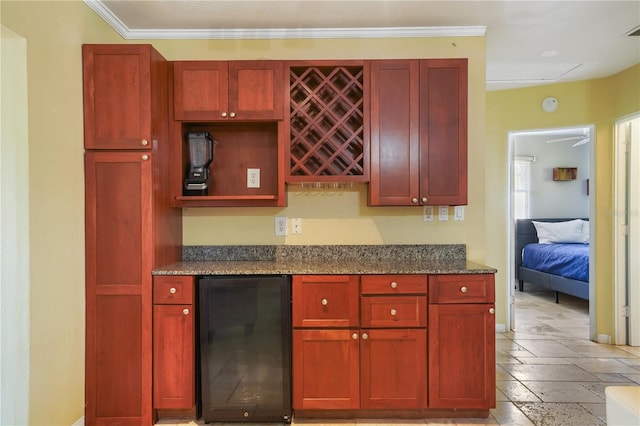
[{"x": 522, "y": 186}]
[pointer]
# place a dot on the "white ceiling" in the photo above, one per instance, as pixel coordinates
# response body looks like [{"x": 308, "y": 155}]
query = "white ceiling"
[{"x": 590, "y": 37}]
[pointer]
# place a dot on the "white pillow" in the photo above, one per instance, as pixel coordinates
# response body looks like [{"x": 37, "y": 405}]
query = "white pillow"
[
  {"x": 585, "y": 231},
  {"x": 559, "y": 232}
]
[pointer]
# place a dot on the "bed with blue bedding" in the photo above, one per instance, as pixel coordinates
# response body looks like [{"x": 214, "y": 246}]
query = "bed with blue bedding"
[{"x": 557, "y": 259}]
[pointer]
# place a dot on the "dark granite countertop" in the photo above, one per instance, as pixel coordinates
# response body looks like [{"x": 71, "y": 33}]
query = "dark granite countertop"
[{"x": 291, "y": 260}]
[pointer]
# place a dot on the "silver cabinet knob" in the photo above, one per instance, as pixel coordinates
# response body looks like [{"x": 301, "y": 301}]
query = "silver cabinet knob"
[
  {"x": 414, "y": 200},
  {"x": 172, "y": 290},
  {"x": 354, "y": 336},
  {"x": 463, "y": 289},
  {"x": 145, "y": 142},
  {"x": 424, "y": 199},
  {"x": 324, "y": 302},
  {"x": 232, "y": 115},
  {"x": 185, "y": 311},
  {"x": 365, "y": 336},
  {"x": 145, "y": 157},
  {"x": 393, "y": 312},
  {"x": 224, "y": 114},
  {"x": 394, "y": 284},
  {"x": 492, "y": 311}
]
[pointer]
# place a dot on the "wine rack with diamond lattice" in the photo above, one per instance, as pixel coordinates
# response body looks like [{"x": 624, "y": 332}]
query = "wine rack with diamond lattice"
[{"x": 328, "y": 117}]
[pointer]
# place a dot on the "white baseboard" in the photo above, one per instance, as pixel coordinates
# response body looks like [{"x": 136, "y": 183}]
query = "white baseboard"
[
  {"x": 79, "y": 422},
  {"x": 501, "y": 328},
  {"x": 604, "y": 339}
]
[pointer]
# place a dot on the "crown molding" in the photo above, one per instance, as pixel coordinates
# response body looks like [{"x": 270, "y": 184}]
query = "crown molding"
[
  {"x": 105, "y": 13},
  {"x": 279, "y": 33},
  {"x": 301, "y": 33}
]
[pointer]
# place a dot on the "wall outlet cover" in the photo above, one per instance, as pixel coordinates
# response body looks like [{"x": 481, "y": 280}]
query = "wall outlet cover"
[
  {"x": 281, "y": 226},
  {"x": 253, "y": 178}
]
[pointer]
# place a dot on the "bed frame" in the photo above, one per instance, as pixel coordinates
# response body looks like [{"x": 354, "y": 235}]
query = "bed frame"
[{"x": 526, "y": 234}]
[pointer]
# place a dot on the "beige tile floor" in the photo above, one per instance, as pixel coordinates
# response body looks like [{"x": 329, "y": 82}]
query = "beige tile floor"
[{"x": 547, "y": 371}]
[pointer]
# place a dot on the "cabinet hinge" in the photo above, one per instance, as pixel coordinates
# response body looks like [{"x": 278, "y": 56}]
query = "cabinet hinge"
[
  {"x": 625, "y": 229},
  {"x": 626, "y": 312}
]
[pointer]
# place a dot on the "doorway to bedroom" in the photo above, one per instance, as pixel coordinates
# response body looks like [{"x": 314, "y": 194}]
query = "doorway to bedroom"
[{"x": 549, "y": 177}]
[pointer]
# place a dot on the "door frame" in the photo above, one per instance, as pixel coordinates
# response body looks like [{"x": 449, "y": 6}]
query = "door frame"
[
  {"x": 511, "y": 223},
  {"x": 626, "y": 285}
]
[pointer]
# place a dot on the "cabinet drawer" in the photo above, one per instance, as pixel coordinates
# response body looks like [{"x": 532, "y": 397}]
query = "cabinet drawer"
[
  {"x": 173, "y": 290},
  {"x": 325, "y": 300},
  {"x": 394, "y": 311},
  {"x": 394, "y": 284},
  {"x": 473, "y": 288}
]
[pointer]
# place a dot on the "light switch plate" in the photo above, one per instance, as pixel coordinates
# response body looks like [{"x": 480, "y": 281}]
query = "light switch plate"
[
  {"x": 443, "y": 213},
  {"x": 428, "y": 213},
  {"x": 458, "y": 213}
]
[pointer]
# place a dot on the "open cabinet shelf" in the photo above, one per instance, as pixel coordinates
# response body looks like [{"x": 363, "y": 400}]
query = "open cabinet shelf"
[{"x": 238, "y": 146}]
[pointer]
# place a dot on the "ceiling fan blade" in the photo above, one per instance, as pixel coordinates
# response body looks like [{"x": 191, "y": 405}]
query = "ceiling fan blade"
[
  {"x": 570, "y": 138},
  {"x": 582, "y": 142}
]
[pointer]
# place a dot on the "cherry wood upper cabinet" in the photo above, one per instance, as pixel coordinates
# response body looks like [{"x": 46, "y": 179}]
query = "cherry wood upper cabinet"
[
  {"x": 418, "y": 132},
  {"x": 395, "y": 156},
  {"x": 124, "y": 91},
  {"x": 221, "y": 90},
  {"x": 443, "y": 131}
]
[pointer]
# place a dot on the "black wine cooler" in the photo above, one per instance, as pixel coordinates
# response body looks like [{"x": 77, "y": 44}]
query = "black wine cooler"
[{"x": 245, "y": 348}]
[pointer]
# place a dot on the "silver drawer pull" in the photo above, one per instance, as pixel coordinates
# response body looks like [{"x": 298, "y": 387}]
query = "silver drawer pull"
[
  {"x": 393, "y": 312},
  {"x": 394, "y": 284},
  {"x": 354, "y": 336},
  {"x": 145, "y": 157},
  {"x": 365, "y": 336},
  {"x": 492, "y": 311},
  {"x": 144, "y": 142},
  {"x": 463, "y": 289},
  {"x": 185, "y": 311},
  {"x": 172, "y": 290},
  {"x": 324, "y": 302}
]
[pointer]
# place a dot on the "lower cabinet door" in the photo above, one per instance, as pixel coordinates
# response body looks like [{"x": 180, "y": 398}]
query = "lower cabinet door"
[
  {"x": 394, "y": 371},
  {"x": 462, "y": 356},
  {"x": 173, "y": 356},
  {"x": 325, "y": 369}
]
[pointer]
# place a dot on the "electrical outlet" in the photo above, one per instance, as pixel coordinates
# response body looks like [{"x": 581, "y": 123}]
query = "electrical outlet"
[
  {"x": 296, "y": 225},
  {"x": 253, "y": 178},
  {"x": 443, "y": 213},
  {"x": 428, "y": 213},
  {"x": 281, "y": 225}
]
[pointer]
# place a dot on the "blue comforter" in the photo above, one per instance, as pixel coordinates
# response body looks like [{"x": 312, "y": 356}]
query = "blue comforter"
[{"x": 567, "y": 260}]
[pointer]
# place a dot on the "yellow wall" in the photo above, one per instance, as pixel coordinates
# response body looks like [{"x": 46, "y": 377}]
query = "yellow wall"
[
  {"x": 54, "y": 32},
  {"x": 599, "y": 102}
]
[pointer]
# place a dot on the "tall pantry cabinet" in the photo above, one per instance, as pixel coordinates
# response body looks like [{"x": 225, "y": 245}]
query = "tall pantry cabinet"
[{"x": 130, "y": 227}]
